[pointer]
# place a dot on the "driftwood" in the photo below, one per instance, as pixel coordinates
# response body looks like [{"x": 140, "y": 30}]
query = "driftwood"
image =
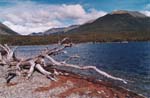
[{"x": 8, "y": 58}]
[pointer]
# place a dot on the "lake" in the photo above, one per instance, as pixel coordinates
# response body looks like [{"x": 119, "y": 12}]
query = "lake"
[{"x": 130, "y": 61}]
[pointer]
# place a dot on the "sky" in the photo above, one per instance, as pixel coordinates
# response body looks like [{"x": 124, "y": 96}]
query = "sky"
[{"x": 28, "y": 16}]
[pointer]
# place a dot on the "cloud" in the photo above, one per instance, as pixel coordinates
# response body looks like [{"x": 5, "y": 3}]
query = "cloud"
[
  {"x": 147, "y": 13},
  {"x": 146, "y": 10},
  {"x": 92, "y": 15},
  {"x": 28, "y": 17}
]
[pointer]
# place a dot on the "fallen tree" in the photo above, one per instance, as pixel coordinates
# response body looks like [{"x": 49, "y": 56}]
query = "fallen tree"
[{"x": 8, "y": 58}]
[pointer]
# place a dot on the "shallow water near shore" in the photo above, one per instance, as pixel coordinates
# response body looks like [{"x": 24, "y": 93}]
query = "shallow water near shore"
[{"x": 130, "y": 61}]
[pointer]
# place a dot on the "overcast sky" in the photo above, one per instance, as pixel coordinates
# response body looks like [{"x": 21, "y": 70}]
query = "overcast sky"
[{"x": 27, "y": 16}]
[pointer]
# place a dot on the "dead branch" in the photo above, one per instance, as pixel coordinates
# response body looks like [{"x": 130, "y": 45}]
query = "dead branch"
[
  {"x": 56, "y": 63},
  {"x": 39, "y": 62}
]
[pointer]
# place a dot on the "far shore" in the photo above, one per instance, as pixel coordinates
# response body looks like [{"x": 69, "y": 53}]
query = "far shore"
[{"x": 76, "y": 38}]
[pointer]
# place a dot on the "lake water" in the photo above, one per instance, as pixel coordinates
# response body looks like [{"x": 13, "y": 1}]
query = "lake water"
[{"x": 130, "y": 61}]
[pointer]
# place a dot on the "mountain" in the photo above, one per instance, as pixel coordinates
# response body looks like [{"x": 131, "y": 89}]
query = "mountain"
[
  {"x": 4, "y": 30},
  {"x": 55, "y": 30},
  {"x": 116, "y": 22},
  {"x": 60, "y": 30}
]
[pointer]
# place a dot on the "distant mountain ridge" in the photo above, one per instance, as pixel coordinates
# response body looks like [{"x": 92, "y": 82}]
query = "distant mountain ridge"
[
  {"x": 60, "y": 30},
  {"x": 4, "y": 30},
  {"x": 56, "y": 30}
]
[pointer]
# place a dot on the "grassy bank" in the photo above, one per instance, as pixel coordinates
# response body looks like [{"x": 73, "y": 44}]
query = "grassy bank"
[{"x": 76, "y": 38}]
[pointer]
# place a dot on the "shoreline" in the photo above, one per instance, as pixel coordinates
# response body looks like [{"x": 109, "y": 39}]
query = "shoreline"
[
  {"x": 120, "y": 42},
  {"x": 68, "y": 86}
]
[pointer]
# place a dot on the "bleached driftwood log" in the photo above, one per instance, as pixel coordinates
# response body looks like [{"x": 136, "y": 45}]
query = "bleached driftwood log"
[{"x": 7, "y": 57}]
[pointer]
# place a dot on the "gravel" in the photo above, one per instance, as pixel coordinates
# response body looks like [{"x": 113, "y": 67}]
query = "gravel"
[{"x": 21, "y": 88}]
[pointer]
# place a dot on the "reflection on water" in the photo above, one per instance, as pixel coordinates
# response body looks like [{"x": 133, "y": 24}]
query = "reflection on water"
[{"x": 130, "y": 61}]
